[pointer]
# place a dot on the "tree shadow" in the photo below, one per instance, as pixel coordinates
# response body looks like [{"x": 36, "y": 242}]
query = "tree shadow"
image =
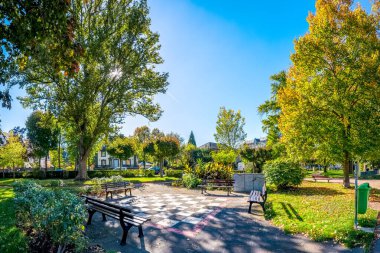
[{"x": 290, "y": 211}]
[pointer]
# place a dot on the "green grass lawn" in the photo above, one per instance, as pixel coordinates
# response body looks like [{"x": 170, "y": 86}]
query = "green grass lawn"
[
  {"x": 12, "y": 239},
  {"x": 321, "y": 211},
  {"x": 329, "y": 173}
]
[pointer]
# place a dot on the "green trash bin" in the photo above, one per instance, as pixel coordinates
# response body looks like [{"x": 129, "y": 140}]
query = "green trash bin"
[{"x": 363, "y": 195}]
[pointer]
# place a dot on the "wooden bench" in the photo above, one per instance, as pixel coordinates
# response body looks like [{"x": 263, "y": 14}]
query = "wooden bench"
[
  {"x": 259, "y": 193},
  {"x": 124, "y": 215},
  {"x": 217, "y": 183},
  {"x": 117, "y": 186},
  {"x": 320, "y": 177}
]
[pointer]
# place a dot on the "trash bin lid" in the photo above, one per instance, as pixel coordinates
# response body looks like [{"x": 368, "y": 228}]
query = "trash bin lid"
[{"x": 364, "y": 186}]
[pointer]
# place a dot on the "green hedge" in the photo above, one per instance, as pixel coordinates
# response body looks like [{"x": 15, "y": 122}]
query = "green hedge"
[
  {"x": 39, "y": 174},
  {"x": 110, "y": 173},
  {"x": 174, "y": 173}
]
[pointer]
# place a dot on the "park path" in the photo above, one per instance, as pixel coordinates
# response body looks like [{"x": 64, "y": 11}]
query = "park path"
[
  {"x": 229, "y": 229},
  {"x": 374, "y": 183}
]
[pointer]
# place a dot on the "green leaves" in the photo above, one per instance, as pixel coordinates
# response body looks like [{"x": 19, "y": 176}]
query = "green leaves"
[
  {"x": 330, "y": 104},
  {"x": 229, "y": 129},
  {"x": 13, "y": 152},
  {"x": 57, "y": 214},
  {"x": 122, "y": 148},
  {"x": 111, "y": 73}
]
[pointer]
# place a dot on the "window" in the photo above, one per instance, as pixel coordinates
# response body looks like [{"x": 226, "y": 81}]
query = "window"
[
  {"x": 104, "y": 154},
  {"x": 124, "y": 162},
  {"x": 103, "y": 162}
]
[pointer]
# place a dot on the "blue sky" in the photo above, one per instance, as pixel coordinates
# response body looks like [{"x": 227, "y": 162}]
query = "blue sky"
[{"x": 218, "y": 53}]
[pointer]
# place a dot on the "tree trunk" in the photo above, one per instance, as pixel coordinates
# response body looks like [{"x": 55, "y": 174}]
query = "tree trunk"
[
  {"x": 83, "y": 156},
  {"x": 82, "y": 171},
  {"x": 120, "y": 164},
  {"x": 325, "y": 168},
  {"x": 346, "y": 169},
  {"x": 46, "y": 158},
  {"x": 162, "y": 168},
  {"x": 351, "y": 167},
  {"x": 347, "y": 157},
  {"x": 59, "y": 150}
]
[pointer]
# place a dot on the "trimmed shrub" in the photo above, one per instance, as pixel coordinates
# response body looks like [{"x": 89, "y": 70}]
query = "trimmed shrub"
[
  {"x": 110, "y": 173},
  {"x": 147, "y": 173},
  {"x": 174, "y": 173},
  {"x": 56, "y": 183},
  {"x": 283, "y": 174},
  {"x": 191, "y": 181},
  {"x": 53, "y": 215},
  {"x": 214, "y": 171}
]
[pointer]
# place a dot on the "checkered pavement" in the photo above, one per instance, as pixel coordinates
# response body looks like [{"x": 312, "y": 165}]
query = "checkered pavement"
[{"x": 177, "y": 211}]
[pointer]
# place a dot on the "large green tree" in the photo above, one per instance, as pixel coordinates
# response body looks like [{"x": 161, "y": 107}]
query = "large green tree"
[
  {"x": 113, "y": 74},
  {"x": 230, "y": 129},
  {"x": 332, "y": 97},
  {"x": 122, "y": 148},
  {"x": 142, "y": 136},
  {"x": 42, "y": 134},
  {"x": 13, "y": 153},
  {"x": 165, "y": 147}
]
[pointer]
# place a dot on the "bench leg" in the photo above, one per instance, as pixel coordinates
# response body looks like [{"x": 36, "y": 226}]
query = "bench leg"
[
  {"x": 141, "y": 234},
  {"x": 130, "y": 192},
  {"x": 125, "y": 232},
  {"x": 90, "y": 214},
  {"x": 263, "y": 206},
  {"x": 111, "y": 195},
  {"x": 104, "y": 217},
  {"x": 250, "y": 207}
]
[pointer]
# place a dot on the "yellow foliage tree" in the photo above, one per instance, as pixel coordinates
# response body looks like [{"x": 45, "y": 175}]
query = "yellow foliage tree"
[{"x": 331, "y": 102}]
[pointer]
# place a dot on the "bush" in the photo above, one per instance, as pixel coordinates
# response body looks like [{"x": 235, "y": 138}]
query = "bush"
[
  {"x": 110, "y": 173},
  {"x": 191, "y": 181},
  {"x": 147, "y": 173},
  {"x": 283, "y": 174},
  {"x": 174, "y": 173},
  {"x": 56, "y": 183},
  {"x": 213, "y": 171},
  {"x": 54, "y": 215}
]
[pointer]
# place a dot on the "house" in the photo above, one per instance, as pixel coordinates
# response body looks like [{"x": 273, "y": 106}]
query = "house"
[
  {"x": 209, "y": 146},
  {"x": 104, "y": 160},
  {"x": 257, "y": 143}
]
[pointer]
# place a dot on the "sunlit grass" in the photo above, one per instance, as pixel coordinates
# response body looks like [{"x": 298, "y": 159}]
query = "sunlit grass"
[
  {"x": 321, "y": 211},
  {"x": 12, "y": 239}
]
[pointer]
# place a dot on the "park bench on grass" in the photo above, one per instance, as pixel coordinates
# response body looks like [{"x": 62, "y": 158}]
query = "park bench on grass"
[
  {"x": 124, "y": 215},
  {"x": 217, "y": 183},
  {"x": 117, "y": 186},
  {"x": 320, "y": 177},
  {"x": 259, "y": 193}
]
